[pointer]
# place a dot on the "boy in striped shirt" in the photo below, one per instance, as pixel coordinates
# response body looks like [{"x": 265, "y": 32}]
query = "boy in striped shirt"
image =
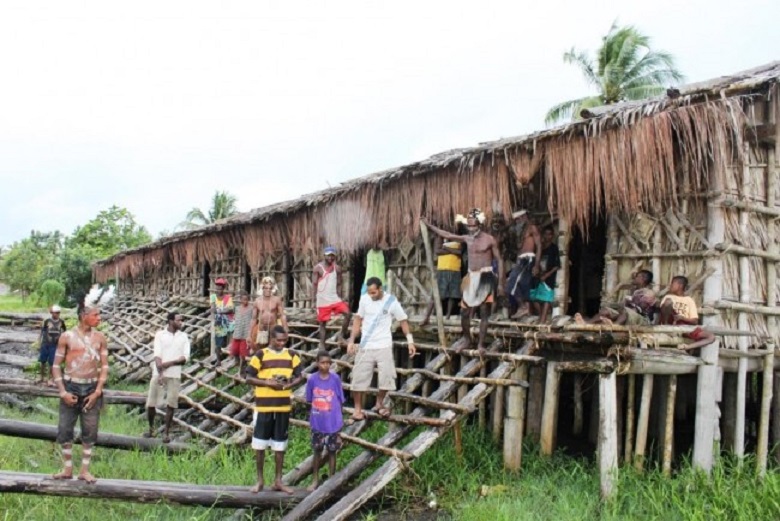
[{"x": 274, "y": 371}]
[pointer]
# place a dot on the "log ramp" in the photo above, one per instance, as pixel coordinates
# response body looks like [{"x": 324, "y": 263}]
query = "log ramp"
[{"x": 438, "y": 391}]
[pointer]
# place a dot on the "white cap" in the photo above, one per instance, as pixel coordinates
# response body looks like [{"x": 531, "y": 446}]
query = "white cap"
[{"x": 55, "y": 309}]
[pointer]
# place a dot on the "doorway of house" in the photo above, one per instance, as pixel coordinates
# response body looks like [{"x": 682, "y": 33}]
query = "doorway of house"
[
  {"x": 586, "y": 257},
  {"x": 206, "y": 278},
  {"x": 358, "y": 274}
]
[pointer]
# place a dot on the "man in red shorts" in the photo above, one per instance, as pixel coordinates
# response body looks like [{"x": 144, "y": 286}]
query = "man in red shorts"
[{"x": 326, "y": 284}]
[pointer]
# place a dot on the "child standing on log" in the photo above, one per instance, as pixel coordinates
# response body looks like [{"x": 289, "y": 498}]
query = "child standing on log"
[
  {"x": 325, "y": 393},
  {"x": 274, "y": 371},
  {"x": 84, "y": 352}
]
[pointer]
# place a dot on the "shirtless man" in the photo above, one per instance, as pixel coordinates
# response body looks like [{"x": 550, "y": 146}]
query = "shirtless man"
[
  {"x": 527, "y": 266},
  {"x": 326, "y": 294},
  {"x": 479, "y": 281},
  {"x": 84, "y": 351},
  {"x": 268, "y": 310}
]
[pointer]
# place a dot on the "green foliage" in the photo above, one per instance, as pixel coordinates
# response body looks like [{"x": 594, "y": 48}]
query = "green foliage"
[
  {"x": 29, "y": 262},
  {"x": 15, "y": 304},
  {"x": 50, "y": 292},
  {"x": 113, "y": 230},
  {"x": 223, "y": 205},
  {"x": 626, "y": 68}
]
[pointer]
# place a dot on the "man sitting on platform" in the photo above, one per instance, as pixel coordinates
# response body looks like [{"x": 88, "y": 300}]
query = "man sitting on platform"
[
  {"x": 637, "y": 310},
  {"x": 677, "y": 308},
  {"x": 274, "y": 371},
  {"x": 84, "y": 352},
  {"x": 171, "y": 351}
]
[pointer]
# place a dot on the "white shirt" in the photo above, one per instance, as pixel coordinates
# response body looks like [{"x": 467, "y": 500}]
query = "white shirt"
[
  {"x": 168, "y": 347},
  {"x": 381, "y": 334}
]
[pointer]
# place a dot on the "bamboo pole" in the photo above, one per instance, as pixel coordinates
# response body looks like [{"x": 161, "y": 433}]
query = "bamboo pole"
[
  {"x": 671, "y": 395},
  {"x": 498, "y": 414},
  {"x": 535, "y": 401},
  {"x": 643, "y": 421},
  {"x": 772, "y": 176},
  {"x": 434, "y": 286},
  {"x": 608, "y": 435},
  {"x": 550, "y": 409}
]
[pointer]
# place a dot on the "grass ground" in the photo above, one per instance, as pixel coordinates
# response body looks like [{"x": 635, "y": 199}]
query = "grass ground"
[
  {"x": 472, "y": 488},
  {"x": 14, "y": 303}
]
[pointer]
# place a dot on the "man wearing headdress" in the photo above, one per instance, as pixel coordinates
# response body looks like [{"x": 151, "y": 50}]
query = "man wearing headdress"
[
  {"x": 477, "y": 286},
  {"x": 526, "y": 266},
  {"x": 326, "y": 288},
  {"x": 268, "y": 310}
]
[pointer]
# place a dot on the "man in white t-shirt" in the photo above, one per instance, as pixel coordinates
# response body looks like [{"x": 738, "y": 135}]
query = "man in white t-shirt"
[
  {"x": 171, "y": 351},
  {"x": 374, "y": 320}
]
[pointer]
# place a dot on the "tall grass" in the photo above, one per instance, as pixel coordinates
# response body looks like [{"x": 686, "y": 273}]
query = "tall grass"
[
  {"x": 15, "y": 304},
  {"x": 473, "y": 487}
]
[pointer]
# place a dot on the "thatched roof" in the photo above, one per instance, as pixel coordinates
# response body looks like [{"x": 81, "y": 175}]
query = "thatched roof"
[{"x": 623, "y": 157}]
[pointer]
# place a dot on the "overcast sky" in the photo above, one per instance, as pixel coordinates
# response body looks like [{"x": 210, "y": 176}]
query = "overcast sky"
[{"x": 155, "y": 105}]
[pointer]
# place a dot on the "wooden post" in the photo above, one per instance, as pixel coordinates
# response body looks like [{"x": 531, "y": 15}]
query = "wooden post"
[
  {"x": 535, "y": 401},
  {"x": 578, "y": 405},
  {"x": 729, "y": 407},
  {"x": 643, "y": 421},
  {"x": 550, "y": 409},
  {"x": 743, "y": 342},
  {"x": 706, "y": 406},
  {"x": 561, "y": 290},
  {"x": 772, "y": 175},
  {"x": 762, "y": 447},
  {"x": 515, "y": 421},
  {"x": 671, "y": 396},
  {"x": 628, "y": 446},
  {"x": 434, "y": 285},
  {"x": 608, "y": 435}
]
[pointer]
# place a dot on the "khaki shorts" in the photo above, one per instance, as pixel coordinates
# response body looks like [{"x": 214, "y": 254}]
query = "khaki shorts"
[
  {"x": 635, "y": 319},
  {"x": 365, "y": 361},
  {"x": 165, "y": 395}
]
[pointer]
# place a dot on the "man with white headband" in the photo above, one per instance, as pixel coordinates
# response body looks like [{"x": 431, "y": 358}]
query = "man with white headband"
[{"x": 479, "y": 282}]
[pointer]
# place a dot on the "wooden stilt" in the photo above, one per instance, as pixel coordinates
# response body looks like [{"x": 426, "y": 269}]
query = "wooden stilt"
[
  {"x": 482, "y": 409},
  {"x": 671, "y": 396},
  {"x": 536, "y": 380},
  {"x": 608, "y": 436},
  {"x": 434, "y": 286},
  {"x": 498, "y": 413},
  {"x": 776, "y": 417},
  {"x": 628, "y": 446},
  {"x": 550, "y": 409},
  {"x": 729, "y": 417},
  {"x": 643, "y": 421},
  {"x": 578, "y": 405},
  {"x": 762, "y": 447},
  {"x": 515, "y": 421}
]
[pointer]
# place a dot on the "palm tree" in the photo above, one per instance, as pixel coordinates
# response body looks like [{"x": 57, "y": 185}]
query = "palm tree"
[
  {"x": 626, "y": 69},
  {"x": 223, "y": 205}
]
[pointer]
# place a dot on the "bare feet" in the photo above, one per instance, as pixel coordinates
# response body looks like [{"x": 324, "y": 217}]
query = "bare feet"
[
  {"x": 313, "y": 486},
  {"x": 65, "y": 474},
  {"x": 166, "y": 439},
  {"x": 149, "y": 434},
  {"x": 578, "y": 318},
  {"x": 85, "y": 476},
  {"x": 281, "y": 487},
  {"x": 426, "y": 321},
  {"x": 257, "y": 488},
  {"x": 481, "y": 350}
]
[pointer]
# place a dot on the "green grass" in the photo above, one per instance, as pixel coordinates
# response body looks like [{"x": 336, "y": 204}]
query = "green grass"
[
  {"x": 471, "y": 488},
  {"x": 14, "y": 303}
]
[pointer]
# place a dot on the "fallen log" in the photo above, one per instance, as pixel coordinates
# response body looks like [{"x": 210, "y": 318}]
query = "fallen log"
[
  {"x": 37, "y": 431},
  {"x": 17, "y": 336},
  {"x": 148, "y": 491},
  {"x": 16, "y": 361},
  {"x": 25, "y": 387}
]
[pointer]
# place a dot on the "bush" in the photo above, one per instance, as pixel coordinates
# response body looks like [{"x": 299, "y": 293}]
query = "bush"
[{"x": 50, "y": 292}]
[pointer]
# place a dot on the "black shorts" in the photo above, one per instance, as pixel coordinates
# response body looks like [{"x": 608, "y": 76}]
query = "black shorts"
[
  {"x": 69, "y": 415},
  {"x": 271, "y": 430}
]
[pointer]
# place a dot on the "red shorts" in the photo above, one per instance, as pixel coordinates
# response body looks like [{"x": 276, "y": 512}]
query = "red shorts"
[
  {"x": 325, "y": 313},
  {"x": 695, "y": 335},
  {"x": 239, "y": 348}
]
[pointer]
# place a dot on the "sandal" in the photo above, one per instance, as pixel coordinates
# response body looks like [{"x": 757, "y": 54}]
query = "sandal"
[{"x": 384, "y": 412}]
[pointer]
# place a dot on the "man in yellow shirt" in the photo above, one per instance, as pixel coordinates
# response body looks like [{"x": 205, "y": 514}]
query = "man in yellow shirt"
[
  {"x": 274, "y": 371},
  {"x": 448, "y": 276}
]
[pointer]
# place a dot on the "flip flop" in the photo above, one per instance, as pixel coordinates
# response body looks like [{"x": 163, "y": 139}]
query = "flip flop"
[
  {"x": 384, "y": 412},
  {"x": 353, "y": 419}
]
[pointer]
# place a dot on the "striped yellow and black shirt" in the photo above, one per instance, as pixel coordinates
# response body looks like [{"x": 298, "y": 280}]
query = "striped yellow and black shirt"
[{"x": 267, "y": 364}]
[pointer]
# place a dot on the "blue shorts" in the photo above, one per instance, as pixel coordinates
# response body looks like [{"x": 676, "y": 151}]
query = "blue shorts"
[{"x": 46, "y": 356}]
